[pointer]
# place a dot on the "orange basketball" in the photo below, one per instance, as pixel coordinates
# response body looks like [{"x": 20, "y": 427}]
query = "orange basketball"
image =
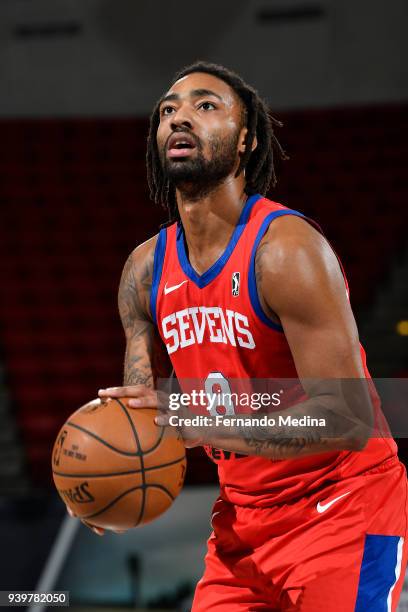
[{"x": 114, "y": 467}]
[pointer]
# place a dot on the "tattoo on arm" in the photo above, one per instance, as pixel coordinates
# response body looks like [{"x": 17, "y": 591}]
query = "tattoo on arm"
[
  {"x": 137, "y": 368},
  {"x": 284, "y": 440},
  {"x": 145, "y": 357},
  {"x": 261, "y": 441}
]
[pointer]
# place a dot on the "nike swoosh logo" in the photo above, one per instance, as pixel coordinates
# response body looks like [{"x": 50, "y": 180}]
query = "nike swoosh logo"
[
  {"x": 323, "y": 507},
  {"x": 173, "y": 288}
]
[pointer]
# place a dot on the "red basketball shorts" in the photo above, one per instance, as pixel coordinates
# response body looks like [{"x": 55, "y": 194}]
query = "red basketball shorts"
[{"x": 341, "y": 549}]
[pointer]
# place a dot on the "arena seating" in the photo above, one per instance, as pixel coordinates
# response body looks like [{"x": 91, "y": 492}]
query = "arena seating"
[
  {"x": 347, "y": 172},
  {"x": 74, "y": 203}
]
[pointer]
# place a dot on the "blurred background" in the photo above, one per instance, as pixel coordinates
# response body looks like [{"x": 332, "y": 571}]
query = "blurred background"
[{"x": 78, "y": 80}]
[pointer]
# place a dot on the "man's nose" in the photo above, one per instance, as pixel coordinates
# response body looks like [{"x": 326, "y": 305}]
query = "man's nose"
[{"x": 181, "y": 119}]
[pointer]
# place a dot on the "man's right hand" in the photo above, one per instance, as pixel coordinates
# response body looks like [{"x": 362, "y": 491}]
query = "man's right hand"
[
  {"x": 148, "y": 397},
  {"x": 141, "y": 396}
]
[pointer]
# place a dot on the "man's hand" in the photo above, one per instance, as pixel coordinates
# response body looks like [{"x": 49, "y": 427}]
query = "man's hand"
[
  {"x": 98, "y": 530},
  {"x": 141, "y": 396}
]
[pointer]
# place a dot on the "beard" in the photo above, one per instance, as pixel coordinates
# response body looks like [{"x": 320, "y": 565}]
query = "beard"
[{"x": 196, "y": 177}]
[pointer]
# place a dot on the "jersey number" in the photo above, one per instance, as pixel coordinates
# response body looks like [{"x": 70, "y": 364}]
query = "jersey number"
[{"x": 217, "y": 384}]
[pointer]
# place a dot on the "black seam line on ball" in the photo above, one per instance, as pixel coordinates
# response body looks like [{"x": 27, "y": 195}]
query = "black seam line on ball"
[
  {"x": 90, "y": 433},
  {"x": 148, "y": 469},
  {"x": 139, "y": 447},
  {"x": 113, "y": 502},
  {"x": 150, "y": 450}
]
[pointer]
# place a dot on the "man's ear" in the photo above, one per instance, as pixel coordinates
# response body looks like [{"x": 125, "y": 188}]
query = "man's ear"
[{"x": 242, "y": 143}]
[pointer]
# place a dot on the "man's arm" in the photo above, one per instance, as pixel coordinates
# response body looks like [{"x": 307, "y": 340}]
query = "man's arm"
[
  {"x": 300, "y": 284},
  {"x": 146, "y": 358}
]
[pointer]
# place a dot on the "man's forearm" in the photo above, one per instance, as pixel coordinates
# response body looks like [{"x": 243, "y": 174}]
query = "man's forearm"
[
  {"x": 284, "y": 439},
  {"x": 137, "y": 367}
]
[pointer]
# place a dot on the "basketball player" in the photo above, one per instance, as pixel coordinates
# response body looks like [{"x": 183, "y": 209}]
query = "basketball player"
[{"x": 238, "y": 286}]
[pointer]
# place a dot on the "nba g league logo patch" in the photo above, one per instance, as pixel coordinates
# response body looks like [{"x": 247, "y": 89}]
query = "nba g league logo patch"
[{"x": 235, "y": 283}]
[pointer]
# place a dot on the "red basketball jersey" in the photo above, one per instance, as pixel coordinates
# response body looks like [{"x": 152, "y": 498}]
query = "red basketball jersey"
[{"x": 214, "y": 327}]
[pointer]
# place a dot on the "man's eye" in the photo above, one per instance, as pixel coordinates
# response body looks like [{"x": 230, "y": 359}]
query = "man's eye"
[
  {"x": 167, "y": 110},
  {"x": 207, "y": 106}
]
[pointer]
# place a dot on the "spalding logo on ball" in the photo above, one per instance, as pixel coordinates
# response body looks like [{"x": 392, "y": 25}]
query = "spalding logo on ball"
[{"x": 114, "y": 467}]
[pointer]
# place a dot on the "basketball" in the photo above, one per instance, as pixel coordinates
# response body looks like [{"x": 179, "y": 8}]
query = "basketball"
[{"x": 114, "y": 467}]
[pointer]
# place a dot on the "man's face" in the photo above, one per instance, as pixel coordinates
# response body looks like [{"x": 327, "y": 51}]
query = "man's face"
[{"x": 200, "y": 134}]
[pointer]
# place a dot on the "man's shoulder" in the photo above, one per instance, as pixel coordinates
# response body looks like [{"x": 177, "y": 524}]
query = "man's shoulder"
[
  {"x": 136, "y": 281},
  {"x": 292, "y": 247},
  {"x": 289, "y": 232},
  {"x": 144, "y": 252},
  {"x": 284, "y": 221},
  {"x": 138, "y": 269}
]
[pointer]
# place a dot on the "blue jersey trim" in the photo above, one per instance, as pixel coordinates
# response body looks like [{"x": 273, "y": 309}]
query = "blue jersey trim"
[
  {"x": 202, "y": 280},
  {"x": 158, "y": 260},
  {"x": 378, "y": 572},
  {"x": 253, "y": 292}
]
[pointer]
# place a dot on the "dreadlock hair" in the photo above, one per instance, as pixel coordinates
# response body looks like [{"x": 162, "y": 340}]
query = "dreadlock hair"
[{"x": 258, "y": 164}]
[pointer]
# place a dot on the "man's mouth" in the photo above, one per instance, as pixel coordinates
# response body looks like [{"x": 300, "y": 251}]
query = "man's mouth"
[{"x": 180, "y": 145}]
